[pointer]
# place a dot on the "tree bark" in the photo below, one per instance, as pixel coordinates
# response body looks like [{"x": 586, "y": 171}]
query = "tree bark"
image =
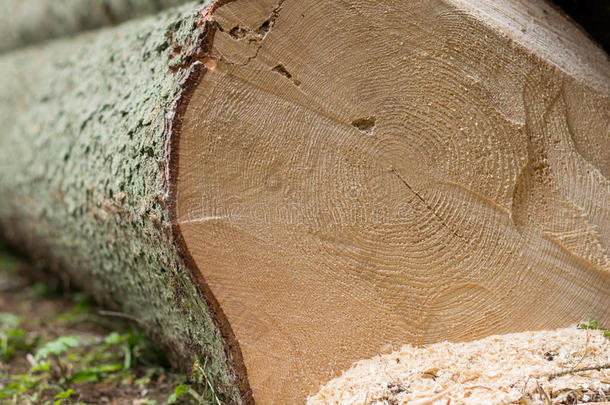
[
  {"x": 83, "y": 184},
  {"x": 281, "y": 188},
  {"x": 25, "y": 22}
]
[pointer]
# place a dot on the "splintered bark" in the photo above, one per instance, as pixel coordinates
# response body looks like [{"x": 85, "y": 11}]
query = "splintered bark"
[
  {"x": 24, "y": 22},
  {"x": 285, "y": 187}
]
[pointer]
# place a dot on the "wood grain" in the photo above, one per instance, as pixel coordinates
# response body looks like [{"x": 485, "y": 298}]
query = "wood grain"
[{"x": 357, "y": 175}]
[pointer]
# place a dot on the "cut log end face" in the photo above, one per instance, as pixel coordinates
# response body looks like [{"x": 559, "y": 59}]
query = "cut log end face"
[{"x": 354, "y": 176}]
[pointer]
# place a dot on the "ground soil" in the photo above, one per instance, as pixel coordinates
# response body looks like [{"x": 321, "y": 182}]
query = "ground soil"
[{"x": 49, "y": 309}]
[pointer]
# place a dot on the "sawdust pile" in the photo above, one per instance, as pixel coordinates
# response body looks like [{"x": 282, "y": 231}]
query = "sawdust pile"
[{"x": 563, "y": 366}]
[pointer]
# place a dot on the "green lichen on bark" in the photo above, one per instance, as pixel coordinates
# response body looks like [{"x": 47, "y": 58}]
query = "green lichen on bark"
[
  {"x": 23, "y": 22},
  {"x": 82, "y": 183}
]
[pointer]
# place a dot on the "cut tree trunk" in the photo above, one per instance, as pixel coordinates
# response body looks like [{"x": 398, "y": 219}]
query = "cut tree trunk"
[
  {"x": 24, "y": 22},
  {"x": 282, "y": 188}
]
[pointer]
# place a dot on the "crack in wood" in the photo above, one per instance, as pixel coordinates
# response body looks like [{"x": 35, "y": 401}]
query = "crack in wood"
[
  {"x": 441, "y": 220},
  {"x": 238, "y": 33}
]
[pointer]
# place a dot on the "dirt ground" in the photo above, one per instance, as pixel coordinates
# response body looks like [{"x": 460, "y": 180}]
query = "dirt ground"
[{"x": 58, "y": 348}]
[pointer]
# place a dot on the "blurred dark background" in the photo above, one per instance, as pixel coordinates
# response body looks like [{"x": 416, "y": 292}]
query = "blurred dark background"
[{"x": 592, "y": 15}]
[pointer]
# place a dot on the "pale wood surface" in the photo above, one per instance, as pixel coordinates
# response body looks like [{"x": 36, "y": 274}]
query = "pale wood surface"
[{"x": 357, "y": 175}]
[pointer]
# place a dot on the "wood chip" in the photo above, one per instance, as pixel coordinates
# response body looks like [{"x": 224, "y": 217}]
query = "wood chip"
[{"x": 514, "y": 368}]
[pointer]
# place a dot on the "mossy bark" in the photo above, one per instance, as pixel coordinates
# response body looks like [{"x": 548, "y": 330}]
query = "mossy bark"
[
  {"x": 83, "y": 176},
  {"x": 23, "y": 22}
]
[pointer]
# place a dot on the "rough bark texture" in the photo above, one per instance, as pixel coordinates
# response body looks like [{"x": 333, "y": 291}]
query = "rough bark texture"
[
  {"x": 82, "y": 175},
  {"x": 23, "y": 22}
]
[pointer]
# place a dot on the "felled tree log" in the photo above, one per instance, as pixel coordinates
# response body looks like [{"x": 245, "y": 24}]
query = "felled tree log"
[
  {"x": 24, "y": 22},
  {"x": 283, "y": 188},
  {"x": 83, "y": 178}
]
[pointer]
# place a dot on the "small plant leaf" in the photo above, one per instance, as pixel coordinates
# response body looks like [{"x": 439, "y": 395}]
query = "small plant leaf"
[
  {"x": 60, "y": 397},
  {"x": 56, "y": 347},
  {"x": 179, "y": 391}
]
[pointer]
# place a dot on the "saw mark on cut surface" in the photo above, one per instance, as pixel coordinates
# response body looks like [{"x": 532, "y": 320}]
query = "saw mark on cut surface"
[
  {"x": 573, "y": 138},
  {"x": 542, "y": 207},
  {"x": 475, "y": 194}
]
